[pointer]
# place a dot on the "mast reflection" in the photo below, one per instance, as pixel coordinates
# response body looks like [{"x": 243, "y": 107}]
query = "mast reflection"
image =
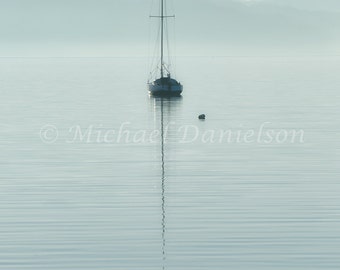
[
  {"x": 165, "y": 106},
  {"x": 163, "y": 180}
]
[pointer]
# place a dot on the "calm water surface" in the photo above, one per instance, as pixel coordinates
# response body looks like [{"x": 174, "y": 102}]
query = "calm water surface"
[{"x": 166, "y": 203}]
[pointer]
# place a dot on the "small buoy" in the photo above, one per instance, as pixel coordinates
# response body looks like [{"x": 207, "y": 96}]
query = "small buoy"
[{"x": 201, "y": 116}]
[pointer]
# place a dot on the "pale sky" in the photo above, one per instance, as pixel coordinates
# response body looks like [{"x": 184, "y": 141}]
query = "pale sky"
[{"x": 122, "y": 27}]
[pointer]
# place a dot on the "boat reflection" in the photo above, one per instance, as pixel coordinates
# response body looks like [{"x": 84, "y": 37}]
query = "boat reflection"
[{"x": 165, "y": 109}]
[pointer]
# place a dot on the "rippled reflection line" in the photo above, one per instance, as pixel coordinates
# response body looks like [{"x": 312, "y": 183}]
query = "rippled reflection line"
[{"x": 163, "y": 183}]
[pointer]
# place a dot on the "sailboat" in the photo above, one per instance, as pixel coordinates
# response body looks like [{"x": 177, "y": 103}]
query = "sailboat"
[{"x": 164, "y": 85}]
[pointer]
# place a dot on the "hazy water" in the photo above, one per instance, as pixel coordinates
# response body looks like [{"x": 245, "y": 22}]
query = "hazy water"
[{"x": 147, "y": 205}]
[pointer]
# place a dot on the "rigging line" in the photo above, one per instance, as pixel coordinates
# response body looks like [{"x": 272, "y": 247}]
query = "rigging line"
[
  {"x": 170, "y": 37},
  {"x": 155, "y": 53},
  {"x": 175, "y": 47},
  {"x": 167, "y": 39},
  {"x": 167, "y": 64},
  {"x": 162, "y": 33},
  {"x": 153, "y": 56},
  {"x": 150, "y": 59},
  {"x": 154, "y": 64},
  {"x": 149, "y": 46},
  {"x": 168, "y": 46}
]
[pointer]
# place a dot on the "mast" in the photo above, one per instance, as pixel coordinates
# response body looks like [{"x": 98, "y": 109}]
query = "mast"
[
  {"x": 162, "y": 16},
  {"x": 162, "y": 37}
]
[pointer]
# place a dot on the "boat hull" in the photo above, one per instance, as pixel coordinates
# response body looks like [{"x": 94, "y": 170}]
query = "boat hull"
[
  {"x": 165, "y": 86},
  {"x": 165, "y": 90}
]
